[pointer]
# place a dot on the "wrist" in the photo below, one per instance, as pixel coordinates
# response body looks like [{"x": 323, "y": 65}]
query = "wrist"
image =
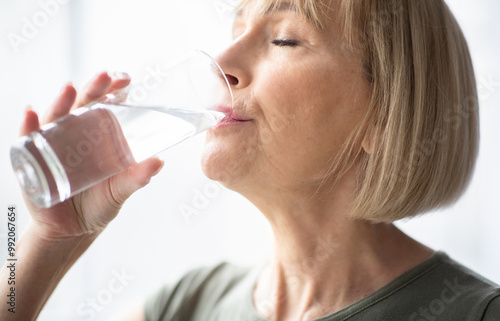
[
  {"x": 50, "y": 236},
  {"x": 62, "y": 251},
  {"x": 41, "y": 262}
]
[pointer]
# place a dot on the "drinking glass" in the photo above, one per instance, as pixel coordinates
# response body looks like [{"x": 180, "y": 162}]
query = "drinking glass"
[{"x": 94, "y": 142}]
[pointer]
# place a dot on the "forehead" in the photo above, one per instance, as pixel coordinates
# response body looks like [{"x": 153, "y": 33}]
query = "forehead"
[
  {"x": 264, "y": 8},
  {"x": 320, "y": 13},
  {"x": 339, "y": 18}
]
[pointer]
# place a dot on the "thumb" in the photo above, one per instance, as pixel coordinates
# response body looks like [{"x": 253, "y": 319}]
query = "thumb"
[{"x": 133, "y": 178}]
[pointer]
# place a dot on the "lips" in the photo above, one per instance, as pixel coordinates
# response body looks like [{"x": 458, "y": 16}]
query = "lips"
[{"x": 232, "y": 115}]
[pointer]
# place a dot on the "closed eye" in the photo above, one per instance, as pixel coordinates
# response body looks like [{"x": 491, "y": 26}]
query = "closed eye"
[{"x": 285, "y": 43}]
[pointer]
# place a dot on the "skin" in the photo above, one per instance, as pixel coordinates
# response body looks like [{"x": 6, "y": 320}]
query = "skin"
[
  {"x": 301, "y": 102},
  {"x": 55, "y": 238},
  {"x": 302, "y": 97}
]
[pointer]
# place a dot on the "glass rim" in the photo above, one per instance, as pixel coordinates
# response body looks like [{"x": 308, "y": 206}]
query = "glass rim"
[
  {"x": 203, "y": 53},
  {"x": 110, "y": 97}
]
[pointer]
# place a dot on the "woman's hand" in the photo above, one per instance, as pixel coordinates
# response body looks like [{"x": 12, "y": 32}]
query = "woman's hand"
[{"x": 90, "y": 211}]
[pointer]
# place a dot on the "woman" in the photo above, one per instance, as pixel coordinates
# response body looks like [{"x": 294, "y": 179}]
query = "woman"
[{"x": 350, "y": 115}]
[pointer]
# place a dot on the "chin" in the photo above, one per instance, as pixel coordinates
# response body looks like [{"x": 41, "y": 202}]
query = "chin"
[
  {"x": 216, "y": 163},
  {"x": 224, "y": 165}
]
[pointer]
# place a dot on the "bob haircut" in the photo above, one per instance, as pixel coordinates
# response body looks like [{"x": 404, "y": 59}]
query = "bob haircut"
[{"x": 422, "y": 121}]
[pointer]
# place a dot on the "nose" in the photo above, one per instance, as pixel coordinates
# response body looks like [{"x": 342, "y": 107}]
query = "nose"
[
  {"x": 235, "y": 64},
  {"x": 233, "y": 81}
]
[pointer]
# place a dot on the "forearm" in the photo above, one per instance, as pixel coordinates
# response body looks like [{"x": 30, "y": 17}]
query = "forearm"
[{"x": 40, "y": 266}]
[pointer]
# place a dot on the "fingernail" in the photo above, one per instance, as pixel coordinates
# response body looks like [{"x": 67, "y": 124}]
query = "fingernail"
[
  {"x": 120, "y": 75},
  {"x": 66, "y": 86},
  {"x": 99, "y": 74},
  {"x": 159, "y": 168},
  {"x": 28, "y": 108}
]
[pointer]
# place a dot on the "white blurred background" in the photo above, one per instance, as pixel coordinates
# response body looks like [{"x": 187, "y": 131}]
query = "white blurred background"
[{"x": 46, "y": 43}]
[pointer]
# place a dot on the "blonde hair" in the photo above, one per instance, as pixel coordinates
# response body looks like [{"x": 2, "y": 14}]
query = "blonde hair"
[{"x": 422, "y": 121}]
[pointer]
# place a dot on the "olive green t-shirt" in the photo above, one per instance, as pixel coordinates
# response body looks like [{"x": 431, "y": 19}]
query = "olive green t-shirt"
[{"x": 438, "y": 289}]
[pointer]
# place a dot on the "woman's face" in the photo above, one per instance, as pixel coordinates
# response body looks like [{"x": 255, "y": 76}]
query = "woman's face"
[{"x": 298, "y": 94}]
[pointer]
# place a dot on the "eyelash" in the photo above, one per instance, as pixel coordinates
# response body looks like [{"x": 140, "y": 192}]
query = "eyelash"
[{"x": 285, "y": 43}]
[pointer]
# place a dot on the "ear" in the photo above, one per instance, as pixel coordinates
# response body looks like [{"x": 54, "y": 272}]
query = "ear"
[{"x": 367, "y": 143}]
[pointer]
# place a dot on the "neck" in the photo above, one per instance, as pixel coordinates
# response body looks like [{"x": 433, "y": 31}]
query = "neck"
[{"x": 323, "y": 258}]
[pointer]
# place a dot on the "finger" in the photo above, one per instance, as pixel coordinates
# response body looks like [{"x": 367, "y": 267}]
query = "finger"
[
  {"x": 30, "y": 122},
  {"x": 117, "y": 96},
  {"x": 62, "y": 105},
  {"x": 94, "y": 90},
  {"x": 119, "y": 80},
  {"x": 132, "y": 179},
  {"x": 118, "y": 92}
]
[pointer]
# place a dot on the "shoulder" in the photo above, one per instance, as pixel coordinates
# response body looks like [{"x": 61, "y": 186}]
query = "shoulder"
[
  {"x": 466, "y": 280},
  {"x": 492, "y": 312},
  {"x": 196, "y": 290},
  {"x": 449, "y": 288},
  {"x": 223, "y": 273},
  {"x": 438, "y": 289}
]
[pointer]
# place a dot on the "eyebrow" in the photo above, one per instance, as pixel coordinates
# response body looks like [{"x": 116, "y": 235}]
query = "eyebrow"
[{"x": 282, "y": 6}]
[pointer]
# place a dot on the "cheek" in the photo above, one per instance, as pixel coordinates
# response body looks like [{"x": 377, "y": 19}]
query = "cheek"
[
  {"x": 281, "y": 93},
  {"x": 310, "y": 112},
  {"x": 288, "y": 134},
  {"x": 298, "y": 104}
]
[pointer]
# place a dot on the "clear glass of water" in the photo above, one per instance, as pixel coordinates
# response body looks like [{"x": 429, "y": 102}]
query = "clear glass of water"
[{"x": 99, "y": 140}]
